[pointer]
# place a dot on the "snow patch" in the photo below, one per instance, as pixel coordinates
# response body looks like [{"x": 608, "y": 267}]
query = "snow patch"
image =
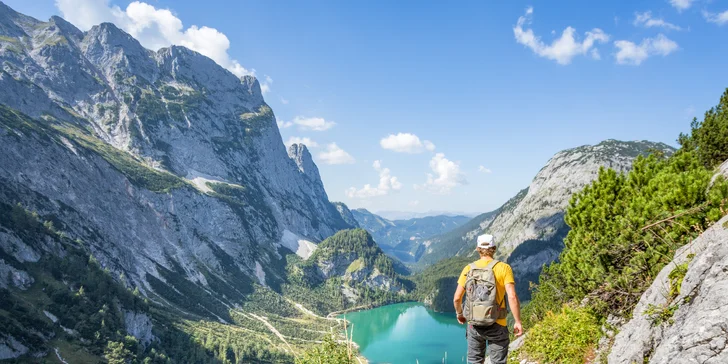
[
  {"x": 200, "y": 180},
  {"x": 302, "y": 247}
]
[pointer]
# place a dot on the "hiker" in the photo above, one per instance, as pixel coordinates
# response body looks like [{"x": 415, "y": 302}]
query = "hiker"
[{"x": 486, "y": 282}]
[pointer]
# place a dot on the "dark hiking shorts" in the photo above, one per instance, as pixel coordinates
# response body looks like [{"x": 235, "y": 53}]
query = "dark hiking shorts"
[{"x": 494, "y": 337}]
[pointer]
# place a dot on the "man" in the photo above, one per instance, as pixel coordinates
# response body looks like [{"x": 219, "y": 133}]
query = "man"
[{"x": 494, "y": 335}]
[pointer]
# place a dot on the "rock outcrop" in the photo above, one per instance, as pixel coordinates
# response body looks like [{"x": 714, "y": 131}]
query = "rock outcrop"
[
  {"x": 139, "y": 325},
  {"x": 697, "y": 329},
  {"x": 353, "y": 258}
]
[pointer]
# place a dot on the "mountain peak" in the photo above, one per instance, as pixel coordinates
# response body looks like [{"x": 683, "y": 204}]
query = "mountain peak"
[
  {"x": 251, "y": 84},
  {"x": 300, "y": 154},
  {"x": 108, "y": 38},
  {"x": 12, "y": 23},
  {"x": 66, "y": 28}
]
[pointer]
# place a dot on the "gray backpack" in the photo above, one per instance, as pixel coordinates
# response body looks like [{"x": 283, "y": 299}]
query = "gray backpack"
[{"x": 481, "y": 302}]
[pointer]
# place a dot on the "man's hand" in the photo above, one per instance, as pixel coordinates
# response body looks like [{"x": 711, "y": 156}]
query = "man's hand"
[
  {"x": 515, "y": 308},
  {"x": 461, "y": 319},
  {"x": 518, "y": 329}
]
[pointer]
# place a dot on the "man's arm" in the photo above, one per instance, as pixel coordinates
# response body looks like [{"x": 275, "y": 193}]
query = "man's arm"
[
  {"x": 458, "y": 303},
  {"x": 515, "y": 308}
]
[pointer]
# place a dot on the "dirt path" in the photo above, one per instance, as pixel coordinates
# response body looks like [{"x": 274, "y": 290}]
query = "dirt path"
[
  {"x": 58, "y": 354},
  {"x": 272, "y": 329}
]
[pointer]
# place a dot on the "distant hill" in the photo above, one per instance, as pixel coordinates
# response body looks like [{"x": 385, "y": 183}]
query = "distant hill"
[
  {"x": 346, "y": 270},
  {"x": 403, "y": 239},
  {"x": 407, "y": 215}
]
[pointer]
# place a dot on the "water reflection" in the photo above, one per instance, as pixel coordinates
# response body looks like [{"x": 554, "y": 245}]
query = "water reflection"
[{"x": 404, "y": 333}]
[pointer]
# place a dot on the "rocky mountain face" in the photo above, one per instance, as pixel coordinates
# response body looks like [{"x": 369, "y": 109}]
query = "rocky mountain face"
[
  {"x": 404, "y": 239},
  {"x": 346, "y": 214},
  {"x": 167, "y": 165},
  {"x": 691, "y": 327},
  {"x": 530, "y": 226}
]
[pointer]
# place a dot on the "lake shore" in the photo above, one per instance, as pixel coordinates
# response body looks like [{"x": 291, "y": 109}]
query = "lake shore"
[{"x": 405, "y": 332}]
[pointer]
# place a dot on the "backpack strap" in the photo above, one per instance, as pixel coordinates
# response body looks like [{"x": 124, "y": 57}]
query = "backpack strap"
[{"x": 491, "y": 264}]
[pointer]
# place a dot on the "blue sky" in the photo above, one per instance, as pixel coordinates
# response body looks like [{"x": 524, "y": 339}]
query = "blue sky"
[{"x": 490, "y": 89}]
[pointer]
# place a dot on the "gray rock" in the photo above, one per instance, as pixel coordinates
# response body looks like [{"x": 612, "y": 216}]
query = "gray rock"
[
  {"x": 698, "y": 329},
  {"x": 9, "y": 347},
  {"x": 14, "y": 246},
  {"x": 13, "y": 277},
  {"x": 140, "y": 326}
]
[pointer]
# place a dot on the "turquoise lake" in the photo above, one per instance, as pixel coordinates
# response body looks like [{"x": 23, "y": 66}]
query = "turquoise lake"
[{"x": 408, "y": 333}]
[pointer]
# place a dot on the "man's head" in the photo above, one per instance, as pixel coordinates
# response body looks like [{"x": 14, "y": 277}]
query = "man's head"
[{"x": 486, "y": 245}]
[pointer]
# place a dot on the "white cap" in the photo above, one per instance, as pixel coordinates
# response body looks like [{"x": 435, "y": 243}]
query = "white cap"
[{"x": 486, "y": 241}]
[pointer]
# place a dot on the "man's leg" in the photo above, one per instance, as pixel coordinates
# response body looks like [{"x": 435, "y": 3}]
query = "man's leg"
[
  {"x": 476, "y": 345},
  {"x": 498, "y": 340}
]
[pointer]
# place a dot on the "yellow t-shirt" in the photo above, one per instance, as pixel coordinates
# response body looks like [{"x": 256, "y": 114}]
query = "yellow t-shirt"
[{"x": 503, "y": 275}]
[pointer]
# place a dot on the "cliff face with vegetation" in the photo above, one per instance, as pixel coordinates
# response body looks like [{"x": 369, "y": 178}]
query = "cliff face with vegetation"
[
  {"x": 529, "y": 227},
  {"x": 149, "y": 207},
  {"x": 346, "y": 270},
  {"x": 682, "y": 316},
  {"x": 643, "y": 264}
]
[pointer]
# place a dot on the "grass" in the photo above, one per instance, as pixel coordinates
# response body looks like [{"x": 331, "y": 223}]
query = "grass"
[
  {"x": 8, "y": 39},
  {"x": 660, "y": 314},
  {"x": 676, "y": 277},
  {"x": 567, "y": 337},
  {"x": 355, "y": 266},
  {"x": 71, "y": 353},
  {"x": 138, "y": 173}
]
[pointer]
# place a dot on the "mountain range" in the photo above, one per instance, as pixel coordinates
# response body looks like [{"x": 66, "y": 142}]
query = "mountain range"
[
  {"x": 149, "y": 209},
  {"x": 403, "y": 239}
]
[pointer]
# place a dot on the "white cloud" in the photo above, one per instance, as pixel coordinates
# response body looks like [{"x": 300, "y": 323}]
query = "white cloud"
[
  {"x": 266, "y": 84},
  {"x": 719, "y": 18},
  {"x": 153, "y": 28},
  {"x": 681, "y": 5},
  {"x": 414, "y": 203},
  {"x": 284, "y": 101},
  {"x": 284, "y": 124},
  {"x": 315, "y": 124},
  {"x": 335, "y": 155},
  {"x": 483, "y": 169},
  {"x": 646, "y": 20},
  {"x": 633, "y": 54},
  {"x": 406, "y": 143},
  {"x": 446, "y": 175},
  {"x": 298, "y": 140},
  {"x": 387, "y": 183},
  {"x": 563, "y": 49}
]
